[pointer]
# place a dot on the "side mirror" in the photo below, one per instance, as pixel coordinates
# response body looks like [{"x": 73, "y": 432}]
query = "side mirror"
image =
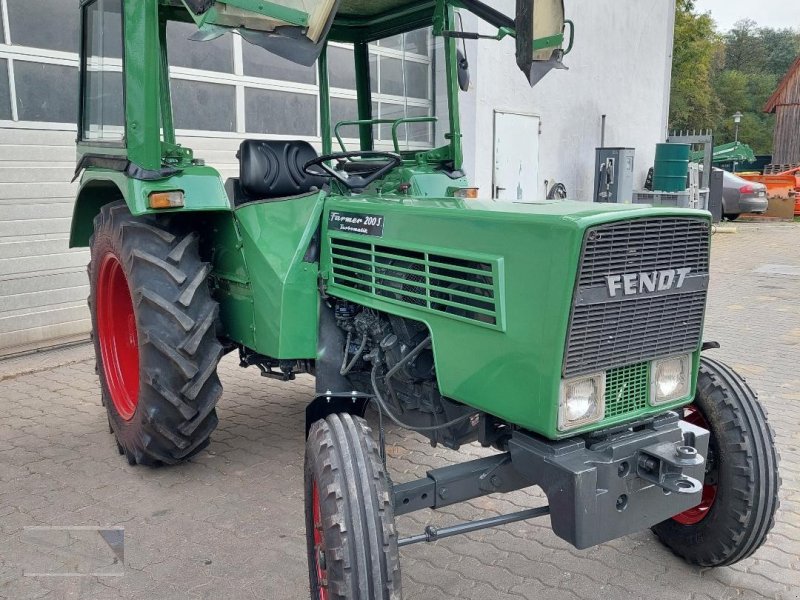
[
  {"x": 540, "y": 28},
  {"x": 463, "y": 71}
]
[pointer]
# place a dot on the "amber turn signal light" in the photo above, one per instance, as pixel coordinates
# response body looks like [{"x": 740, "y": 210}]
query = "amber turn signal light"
[
  {"x": 173, "y": 199},
  {"x": 471, "y": 193}
]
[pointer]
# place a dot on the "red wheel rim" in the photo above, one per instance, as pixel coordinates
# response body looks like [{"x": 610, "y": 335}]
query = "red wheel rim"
[
  {"x": 116, "y": 332},
  {"x": 699, "y": 512},
  {"x": 319, "y": 544}
]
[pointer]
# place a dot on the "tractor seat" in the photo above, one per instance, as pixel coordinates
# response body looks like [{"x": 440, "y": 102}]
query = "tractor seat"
[{"x": 272, "y": 170}]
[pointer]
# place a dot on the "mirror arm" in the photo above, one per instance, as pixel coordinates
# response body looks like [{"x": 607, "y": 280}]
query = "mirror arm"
[{"x": 502, "y": 32}]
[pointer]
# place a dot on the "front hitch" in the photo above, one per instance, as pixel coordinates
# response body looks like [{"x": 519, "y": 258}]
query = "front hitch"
[{"x": 665, "y": 465}]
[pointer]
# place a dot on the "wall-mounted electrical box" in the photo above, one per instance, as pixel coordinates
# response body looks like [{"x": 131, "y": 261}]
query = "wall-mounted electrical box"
[{"x": 613, "y": 179}]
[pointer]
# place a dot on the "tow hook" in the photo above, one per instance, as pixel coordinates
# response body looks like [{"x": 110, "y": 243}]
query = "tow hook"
[{"x": 663, "y": 464}]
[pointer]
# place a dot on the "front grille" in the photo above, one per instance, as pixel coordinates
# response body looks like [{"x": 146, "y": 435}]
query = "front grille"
[
  {"x": 627, "y": 389},
  {"x": 607, "y": 332},
  {"x": 460, "y": 288}
]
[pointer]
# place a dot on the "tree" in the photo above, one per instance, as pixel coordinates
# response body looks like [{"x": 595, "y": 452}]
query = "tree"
[
  {"x": 715, "y": 76},
  {"x": 782, "y": 47},
  {"x": 744, "y": 48},
  {"x": 693, "y": 104}
]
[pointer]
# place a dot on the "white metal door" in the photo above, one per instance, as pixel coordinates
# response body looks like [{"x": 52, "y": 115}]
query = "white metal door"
[{"x": 516, "y": 157}]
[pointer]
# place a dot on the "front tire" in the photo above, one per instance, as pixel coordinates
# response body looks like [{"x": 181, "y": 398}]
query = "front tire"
[
  {"x": 154, "y": 325},
  {"x": 740, "y": 494},
  {"x": 350, "y": 530}
]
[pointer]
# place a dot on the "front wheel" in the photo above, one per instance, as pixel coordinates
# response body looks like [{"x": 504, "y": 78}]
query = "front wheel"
[
  {"x": 350, "y": 531},
  {"x": 740, "y": 493}
]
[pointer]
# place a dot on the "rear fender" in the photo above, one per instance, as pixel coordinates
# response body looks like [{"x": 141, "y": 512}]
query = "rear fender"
[{"x": 202, "y": 188}]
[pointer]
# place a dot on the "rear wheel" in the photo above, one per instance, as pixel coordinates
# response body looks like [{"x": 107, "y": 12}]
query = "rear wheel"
[
  {"x": 732, "y": 217},
  {"x": 740, "y": 492},
  {"x": 155, "y": 337},
  {"x": 350, "y": 531}
]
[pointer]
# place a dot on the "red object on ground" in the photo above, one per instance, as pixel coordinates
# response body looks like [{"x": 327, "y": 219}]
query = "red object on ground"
[
  {"x": 116, "y": 331},
  {"x": 699, "y": 512}
]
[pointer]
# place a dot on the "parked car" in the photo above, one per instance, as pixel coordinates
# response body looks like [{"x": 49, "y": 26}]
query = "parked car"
[{"x": 741, "y": 196}]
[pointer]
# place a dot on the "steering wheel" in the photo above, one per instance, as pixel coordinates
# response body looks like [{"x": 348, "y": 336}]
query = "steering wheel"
[{"x": 355, "y": 175}]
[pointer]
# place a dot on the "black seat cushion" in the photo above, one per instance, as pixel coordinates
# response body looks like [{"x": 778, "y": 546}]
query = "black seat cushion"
[{"x": 274, "y": 169}]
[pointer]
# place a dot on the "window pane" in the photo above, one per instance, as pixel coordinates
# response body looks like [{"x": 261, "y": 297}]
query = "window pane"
[
  {"x": 413, "y": 132},
  {"x": 391, "y": 76},
  {"x": 5, "y": 95},
  {"x": 341, "y": 67},
  {"x": 417, "y": 79},
  {"x": 105, "y": 111},
  {"x": 104, "y": 100},
  {"x": 203, "y": 106},
  {"x": 260, "y": 63},
  {"x": 414, "y": 83},
  {"x": 268, "y": 111},
  {"x": 46, "y": 92},
  {"x": 44, "y": 24},
  {"x": 393, "y": 112},
  {"x": 395, "y": 42},
  {"x": 419, "y": 132},
  {"x": 344, "y": 109},
  {"x": 417, "y": 41},
  {"x": 214, "y": 55}
]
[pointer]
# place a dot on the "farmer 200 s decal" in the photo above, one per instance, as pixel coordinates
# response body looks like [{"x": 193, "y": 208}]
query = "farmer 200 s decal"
[{"x": 348, "y": 222}]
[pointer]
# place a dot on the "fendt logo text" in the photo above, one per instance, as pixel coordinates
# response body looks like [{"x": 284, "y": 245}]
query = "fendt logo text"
[{"x": 632, "y": 284}]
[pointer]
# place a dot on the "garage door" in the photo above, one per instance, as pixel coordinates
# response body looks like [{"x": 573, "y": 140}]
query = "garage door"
[{"x": 43, "y": 284}]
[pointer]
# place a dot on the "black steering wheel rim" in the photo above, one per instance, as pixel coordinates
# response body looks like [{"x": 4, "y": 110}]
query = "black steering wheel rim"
[{"x": 353, "y": 181}]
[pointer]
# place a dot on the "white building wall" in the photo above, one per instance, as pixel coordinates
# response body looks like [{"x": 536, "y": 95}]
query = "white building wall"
[{"x": 620, "y": 66}]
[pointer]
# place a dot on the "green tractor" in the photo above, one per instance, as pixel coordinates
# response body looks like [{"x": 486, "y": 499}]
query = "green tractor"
[{"x": 565, "y": 335}]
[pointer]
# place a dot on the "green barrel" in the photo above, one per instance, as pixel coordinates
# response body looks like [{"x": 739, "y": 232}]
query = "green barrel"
[{"x": 671, "y": 167}]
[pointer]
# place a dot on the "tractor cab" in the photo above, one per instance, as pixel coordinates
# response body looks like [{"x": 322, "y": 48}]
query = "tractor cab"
[{"x": 352, "y": 154}]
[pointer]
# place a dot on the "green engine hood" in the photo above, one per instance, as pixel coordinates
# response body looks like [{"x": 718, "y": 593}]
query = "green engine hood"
[{"x": 507, "y": 360}]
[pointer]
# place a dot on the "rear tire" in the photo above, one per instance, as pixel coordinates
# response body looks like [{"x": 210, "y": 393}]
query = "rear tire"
[
  {"x": 732, "y": 217},
  {"x": 350, "y": 530},
  {"x": 734, "y": 520},
  {"x": 154, "y": 325}
]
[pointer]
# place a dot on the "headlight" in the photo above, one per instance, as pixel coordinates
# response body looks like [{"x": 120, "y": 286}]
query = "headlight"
[
  {"x": 670, "y": 379},
  {"x": 582, "y": 401}
]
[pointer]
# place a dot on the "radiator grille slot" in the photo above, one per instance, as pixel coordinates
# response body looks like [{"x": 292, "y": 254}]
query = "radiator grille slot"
[
  {"x": 627, "y": 389},
  {"x": 458, "y": 287},
  {"x": 608, "y": 334}
]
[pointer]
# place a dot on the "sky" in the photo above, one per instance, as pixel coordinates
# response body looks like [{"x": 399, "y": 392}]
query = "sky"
[{"x": 767, "y": 13}]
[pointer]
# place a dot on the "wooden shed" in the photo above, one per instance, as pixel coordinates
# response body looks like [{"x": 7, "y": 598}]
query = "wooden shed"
[{"x": 785, "y": 103}]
